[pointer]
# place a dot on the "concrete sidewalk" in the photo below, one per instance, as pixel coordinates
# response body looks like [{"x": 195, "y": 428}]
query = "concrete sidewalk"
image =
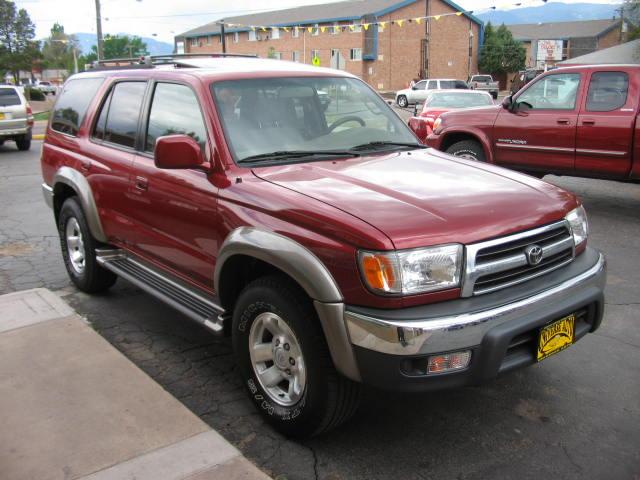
[{"x": 73, "y": 407}]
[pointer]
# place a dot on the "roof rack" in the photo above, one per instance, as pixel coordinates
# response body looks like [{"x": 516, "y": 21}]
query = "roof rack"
[{"x": 150, "y": 61}]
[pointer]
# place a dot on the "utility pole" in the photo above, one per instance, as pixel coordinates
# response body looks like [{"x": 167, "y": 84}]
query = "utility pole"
[
  {"x": 621, "y": 10},
  {"x": 99, "y": 31},
  {"x": 223, "y": 37}
]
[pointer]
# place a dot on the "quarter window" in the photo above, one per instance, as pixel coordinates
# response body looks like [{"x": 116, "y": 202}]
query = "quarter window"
[
  {"x": 175, "y": 110},
  {"x": 607, "y": 91},
  {"x": 553, "y": 92},
  {"x": 73, "y": 103},
  {"x": 123, "y": 112}
]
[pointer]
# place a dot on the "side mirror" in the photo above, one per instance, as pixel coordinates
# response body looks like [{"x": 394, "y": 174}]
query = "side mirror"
[
  {"x": 507, "y": 103},
  {"x": 414, "y": 88},
  {"x": 178, "y": 151}
]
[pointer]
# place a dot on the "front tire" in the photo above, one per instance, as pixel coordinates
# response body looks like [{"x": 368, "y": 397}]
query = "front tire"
[
  {"x": 402, "y": 101},
  {"x": 469, "y": 149},
  {"x": 284, "y": 360},
  {"x": 79, "y": 250}
]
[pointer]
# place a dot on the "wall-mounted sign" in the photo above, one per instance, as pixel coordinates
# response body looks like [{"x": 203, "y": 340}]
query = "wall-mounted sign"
[{"x": 549, "y": 50}]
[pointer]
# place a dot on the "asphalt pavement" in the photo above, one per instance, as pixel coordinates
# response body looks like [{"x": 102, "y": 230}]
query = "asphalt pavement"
[{"x": 576, "y": 415}]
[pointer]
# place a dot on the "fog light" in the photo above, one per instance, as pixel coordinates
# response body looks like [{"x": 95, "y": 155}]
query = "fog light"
[{"x": 449, "y": 362}]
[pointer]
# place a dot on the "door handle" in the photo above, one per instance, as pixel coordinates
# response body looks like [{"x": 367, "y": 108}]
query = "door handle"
[
  {"x": 142, "y": 183},
  {"x": 588, "y": 121},
  {"x": 563, "y": 121}
]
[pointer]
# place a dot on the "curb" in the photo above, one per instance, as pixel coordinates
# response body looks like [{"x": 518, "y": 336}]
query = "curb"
[{"x": 37, "y": 136}]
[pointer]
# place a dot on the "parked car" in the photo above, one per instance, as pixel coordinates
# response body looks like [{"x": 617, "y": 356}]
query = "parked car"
[
  {"x": 484, "y": 83},
  {"x": 47, "y": 88},
  {"x": 523, "y": 77},
  {"x": 569, "y": 121},
  {"x": 333, "y": 247},
  {"x": 441, "y": 101},
  {"x": 16, "y": 117},
  {"x": 419, "y": 91}
]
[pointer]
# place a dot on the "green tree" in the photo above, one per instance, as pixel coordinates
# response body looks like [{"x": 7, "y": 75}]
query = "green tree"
[
  {"x": 500, "y": 52},
  {"x": 57, "y": 50},
  {"x": 18, "y": 50},
  {"x": 122, "y": 46},
  {"x": 632, "y": 13}
]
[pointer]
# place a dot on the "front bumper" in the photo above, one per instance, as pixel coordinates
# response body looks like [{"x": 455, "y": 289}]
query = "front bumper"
[
  {"x": 47, "y": 193},
  {"x": 434, "y": 140},
  {"x": 499, "y": 328}
]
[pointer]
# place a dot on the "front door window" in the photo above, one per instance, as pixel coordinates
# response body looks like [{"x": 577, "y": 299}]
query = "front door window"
[{"x": 554, "y": 92}]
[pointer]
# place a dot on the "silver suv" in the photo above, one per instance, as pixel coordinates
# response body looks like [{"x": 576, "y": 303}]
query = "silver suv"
[{"x": 16, "y": 117}]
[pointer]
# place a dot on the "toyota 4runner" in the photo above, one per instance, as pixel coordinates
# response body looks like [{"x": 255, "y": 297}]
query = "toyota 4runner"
[{"x": 322, "y": 237}]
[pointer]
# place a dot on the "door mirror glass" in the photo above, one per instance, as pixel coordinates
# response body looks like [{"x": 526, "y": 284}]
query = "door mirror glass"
[
  {"x": 506, "y": 103},
  {"x": 177, "y": 152}
]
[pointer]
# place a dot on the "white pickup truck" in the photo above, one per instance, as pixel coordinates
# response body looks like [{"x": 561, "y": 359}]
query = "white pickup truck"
[{"x": 485, "y": 83}]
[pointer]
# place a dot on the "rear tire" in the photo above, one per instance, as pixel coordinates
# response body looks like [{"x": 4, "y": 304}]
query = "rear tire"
[
  {"x": 403, "y": 102},
  {"x": 24, "y": 143},
  {"x": 79, "y": 250},
  {"x": 469, "y": 149},
  {"x": 278, "y": 342}
]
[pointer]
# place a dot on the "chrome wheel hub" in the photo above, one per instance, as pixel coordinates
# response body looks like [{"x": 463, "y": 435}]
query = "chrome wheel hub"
[
  {"x": 277, "y": 359},
  {"x": 75, "y": 245}
]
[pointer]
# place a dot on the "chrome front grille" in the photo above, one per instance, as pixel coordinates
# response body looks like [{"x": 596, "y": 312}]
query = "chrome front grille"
[{"x": 502, "y": 262}]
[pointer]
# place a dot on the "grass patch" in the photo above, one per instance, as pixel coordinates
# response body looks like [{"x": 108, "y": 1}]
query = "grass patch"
[{"x": 41, "y": 116}]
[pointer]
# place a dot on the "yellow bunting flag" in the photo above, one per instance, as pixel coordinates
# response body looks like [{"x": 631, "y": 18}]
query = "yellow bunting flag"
[
  {"x": 366, "y": 26},
  {"x": 352, "y": 27},
  {"x": 309, "y": 29},
  {"x": 458, "y": 14},
  {"x": 253, "y": 28},
  {"x": 418, "y": 20},
  {"x": 286, "y": 29},
  {"x": 400, "y": 22},
  {"x": 323, "y": 28},
  {"x": 263, "y": 29},
  {"x": 437, "y": 17}
]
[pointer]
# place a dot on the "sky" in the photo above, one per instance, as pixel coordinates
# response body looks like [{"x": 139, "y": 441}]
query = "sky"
[{"x": 162, "y": 19}]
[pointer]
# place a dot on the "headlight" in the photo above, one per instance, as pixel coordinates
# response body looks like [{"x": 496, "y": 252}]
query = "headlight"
[
  {"x": 577, "y": 219},
  {"x": 412, "y": 271},
  {"x": 437, "y": 124}
]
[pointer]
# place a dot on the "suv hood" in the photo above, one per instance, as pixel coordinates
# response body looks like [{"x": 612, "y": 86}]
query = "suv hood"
[{"x": 425, "y": 197}]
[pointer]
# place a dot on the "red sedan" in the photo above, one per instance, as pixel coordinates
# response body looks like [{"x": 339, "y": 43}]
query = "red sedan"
[{"x": 442, "y": 101}]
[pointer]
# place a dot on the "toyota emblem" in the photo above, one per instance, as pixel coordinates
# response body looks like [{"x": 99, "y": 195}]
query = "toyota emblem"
[{"x": 533, "y": 254}]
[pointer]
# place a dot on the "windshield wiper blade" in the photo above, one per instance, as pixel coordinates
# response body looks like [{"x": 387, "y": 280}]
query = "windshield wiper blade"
[
  {"x": 283, "y": 154},
  {"x": 377, "y": 144}
]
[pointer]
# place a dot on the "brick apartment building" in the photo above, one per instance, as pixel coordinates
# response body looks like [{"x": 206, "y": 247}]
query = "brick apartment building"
[
  {"x": 387, "y": 58},
  {"x": 573, "y": 38}
]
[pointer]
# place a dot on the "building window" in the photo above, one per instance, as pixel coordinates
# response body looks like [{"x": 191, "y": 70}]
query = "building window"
[
  {"x": 194, "y": 42},
  {"x": 315, "y": 53},
  {"x": 252, "y": 36},
  {"x": 357, "y": 28},
  {"x": 295, "y": 56},
  {"x": 277, "y": 55},
  {"x": 236, "y": 37},
  {"x": 315, "y": 31},
  {"x": 295, "y": 33},
  {"x": 275, "y": 33},
  {"x": 336, "y": 28},
  {"x": 209, "y": 40},
  {"x": 355, "y": 54}
]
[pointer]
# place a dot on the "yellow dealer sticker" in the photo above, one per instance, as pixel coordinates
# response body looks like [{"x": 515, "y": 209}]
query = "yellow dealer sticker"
[{"x": 556, "y": 336}]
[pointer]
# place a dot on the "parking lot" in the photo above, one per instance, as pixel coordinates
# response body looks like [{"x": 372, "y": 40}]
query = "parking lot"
[{"x": 576, "y": 415}]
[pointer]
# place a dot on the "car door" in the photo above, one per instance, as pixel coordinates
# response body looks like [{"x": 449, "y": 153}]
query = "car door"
[
  {"x": 539, "y": 131},
  {"x": 418, "y": 92},
  {"x": 110, "y": 151},
  {"x": 175, "y": 209},
  {"x": 604, "y": 137}
]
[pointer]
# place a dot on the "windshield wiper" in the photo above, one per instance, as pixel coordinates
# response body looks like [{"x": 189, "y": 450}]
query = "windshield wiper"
[
  {"x": 377, "y": 144},
  {"x": 284, "y": 154}
]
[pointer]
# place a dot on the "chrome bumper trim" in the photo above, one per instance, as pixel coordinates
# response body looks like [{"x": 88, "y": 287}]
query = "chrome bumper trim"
[
  {"x": 441, "y": 334},
  {"x": 47, "y": 193}
]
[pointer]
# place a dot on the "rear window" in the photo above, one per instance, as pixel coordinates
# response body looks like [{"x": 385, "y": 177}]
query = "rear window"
[
  {"x": 482, "y": 78},
  {"x": 72, "y": 104},
  {"x": 9, "y": 97}
]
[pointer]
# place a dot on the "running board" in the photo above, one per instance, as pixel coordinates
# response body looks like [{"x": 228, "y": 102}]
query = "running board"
[{"x": 192, "y": 304}]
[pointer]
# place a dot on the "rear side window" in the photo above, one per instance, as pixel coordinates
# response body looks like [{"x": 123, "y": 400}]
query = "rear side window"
[
  {"x": 9, "y": 97},
  {"x": 175, "y": 110},
  {"x": 607, "y": 91},
  {"x": 433, "y": 84},
  {"x": 118, "y": 120},
  {"x": 72, "y": 104}
]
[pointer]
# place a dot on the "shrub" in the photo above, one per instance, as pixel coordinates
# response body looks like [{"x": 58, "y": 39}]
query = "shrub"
[{"x": 34, "y": 94}]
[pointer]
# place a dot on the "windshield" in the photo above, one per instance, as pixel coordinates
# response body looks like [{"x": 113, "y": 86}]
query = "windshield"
[
  {"x": 306, "y": 114},
  {"x": 458, "y": 100}
]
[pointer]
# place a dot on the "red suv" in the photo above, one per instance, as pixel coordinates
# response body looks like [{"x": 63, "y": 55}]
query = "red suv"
[{"x": 333, "y": 247}]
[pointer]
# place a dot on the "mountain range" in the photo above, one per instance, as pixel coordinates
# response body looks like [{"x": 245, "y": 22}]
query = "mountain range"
[
  {"x": 551, "y": 12},
  {"x": 155, "y": 47}
]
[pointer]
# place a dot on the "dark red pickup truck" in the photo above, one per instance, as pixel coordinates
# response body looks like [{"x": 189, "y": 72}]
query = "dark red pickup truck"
[
  {"x": 318, "y": 233},
  {"x": 578, "y": 121}
]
